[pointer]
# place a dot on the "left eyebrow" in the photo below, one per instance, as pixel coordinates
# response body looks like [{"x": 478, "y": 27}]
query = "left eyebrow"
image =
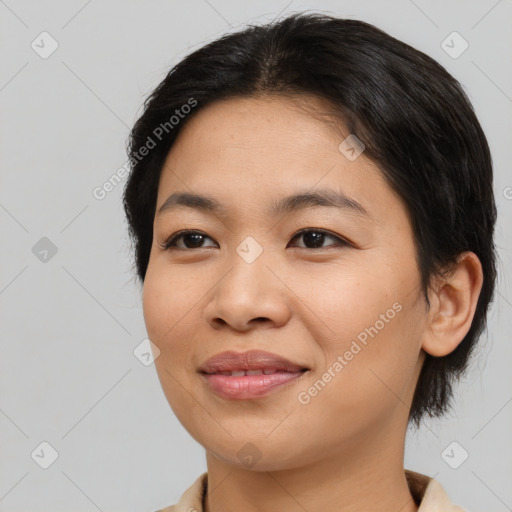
[
  {"x": 325, "y": 197},
  {"x": 298, "y": 201}
]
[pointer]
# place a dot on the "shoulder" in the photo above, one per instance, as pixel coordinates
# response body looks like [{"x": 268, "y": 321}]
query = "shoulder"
[
  {"x": 429, "y": 494},
  {"x": 192, "y": 499}
]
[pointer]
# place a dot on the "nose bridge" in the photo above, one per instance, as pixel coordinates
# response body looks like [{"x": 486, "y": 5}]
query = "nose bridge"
[
  {"x": 249, "y": 290},
  {"x": 249, "y": 250},
  {"x": 248, "y": 268}
]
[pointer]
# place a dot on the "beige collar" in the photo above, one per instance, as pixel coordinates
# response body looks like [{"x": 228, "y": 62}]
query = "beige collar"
[{"x": 427, "y": 492}]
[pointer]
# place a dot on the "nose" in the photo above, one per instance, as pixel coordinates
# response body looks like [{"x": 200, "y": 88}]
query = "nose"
[{"x": 249, "y": 295}]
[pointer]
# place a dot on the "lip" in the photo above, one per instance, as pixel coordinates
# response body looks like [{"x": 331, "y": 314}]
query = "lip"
[
  {"x": 249, "y": 386},
  {"x": 250, "y": 360}
]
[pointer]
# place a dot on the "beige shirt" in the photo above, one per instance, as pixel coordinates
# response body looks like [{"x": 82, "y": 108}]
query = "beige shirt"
[{"x": 427, "y": 492}]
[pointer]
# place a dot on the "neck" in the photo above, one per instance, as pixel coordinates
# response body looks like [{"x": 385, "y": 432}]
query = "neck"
[{"x": 366, "y": 473}]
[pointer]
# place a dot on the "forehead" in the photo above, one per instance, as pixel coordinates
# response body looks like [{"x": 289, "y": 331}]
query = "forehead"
[{"x": 252, "y": 150}]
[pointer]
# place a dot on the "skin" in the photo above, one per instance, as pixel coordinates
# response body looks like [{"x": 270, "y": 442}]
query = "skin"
[{"x": 342, "y": 451}]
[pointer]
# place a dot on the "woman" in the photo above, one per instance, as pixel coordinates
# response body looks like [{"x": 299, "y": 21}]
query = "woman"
[{"x": 312, "y": 213}]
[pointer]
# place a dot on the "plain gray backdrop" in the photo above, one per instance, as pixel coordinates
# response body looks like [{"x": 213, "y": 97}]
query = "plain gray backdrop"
[{"x": 73, "y": 77}]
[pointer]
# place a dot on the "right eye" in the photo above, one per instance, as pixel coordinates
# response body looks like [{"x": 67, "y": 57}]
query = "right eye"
[{"x": 191, "y": 239}]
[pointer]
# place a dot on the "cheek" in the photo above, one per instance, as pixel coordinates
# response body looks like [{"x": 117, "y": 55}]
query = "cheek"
[
  {"x": 155, "y": 306},
  {"x": 168, "y": 300},
  {"x": 345, "y": 303},
  {"x": 370, "y": 319},
  {"x": 168, "y": 307}
]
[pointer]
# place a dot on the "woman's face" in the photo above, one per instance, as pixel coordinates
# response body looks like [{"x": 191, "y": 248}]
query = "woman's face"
[{"x": 347, "y": 304}]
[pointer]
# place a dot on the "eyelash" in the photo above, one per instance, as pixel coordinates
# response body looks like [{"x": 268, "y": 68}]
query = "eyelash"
[{"x": 169, "y": 243}]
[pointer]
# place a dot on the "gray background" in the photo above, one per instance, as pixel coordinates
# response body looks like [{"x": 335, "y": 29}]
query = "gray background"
[{"x": 70, "y": 321}]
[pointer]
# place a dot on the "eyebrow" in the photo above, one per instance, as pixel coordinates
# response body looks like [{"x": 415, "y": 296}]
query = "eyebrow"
[{"x": 298, "y": 201}]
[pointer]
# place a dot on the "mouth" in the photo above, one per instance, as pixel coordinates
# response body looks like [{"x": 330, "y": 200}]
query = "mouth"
[{"x": 249, "y": 375}]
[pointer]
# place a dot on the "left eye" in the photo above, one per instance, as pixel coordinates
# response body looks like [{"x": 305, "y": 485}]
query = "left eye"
[
  {"x": 317, "y": 236},
  {"x": 193, "y": 239}
]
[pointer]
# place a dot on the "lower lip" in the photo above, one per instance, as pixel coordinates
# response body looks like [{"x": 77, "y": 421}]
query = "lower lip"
[{"x": 249, "y": 386}]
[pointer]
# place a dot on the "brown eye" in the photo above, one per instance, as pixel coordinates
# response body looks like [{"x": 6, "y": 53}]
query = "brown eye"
[
  {"x": 316, "y": 238},
  {"x": 191, "y": 240}
]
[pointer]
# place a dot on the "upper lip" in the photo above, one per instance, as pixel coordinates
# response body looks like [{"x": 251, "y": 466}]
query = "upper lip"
[{"x": 251, "y": 360}]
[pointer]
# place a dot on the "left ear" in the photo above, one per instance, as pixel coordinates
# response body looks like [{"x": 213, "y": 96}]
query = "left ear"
[{"x": 452, "y": 306}]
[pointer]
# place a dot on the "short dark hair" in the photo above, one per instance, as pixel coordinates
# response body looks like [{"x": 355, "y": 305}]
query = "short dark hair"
[{"x": 414, "y": 118}]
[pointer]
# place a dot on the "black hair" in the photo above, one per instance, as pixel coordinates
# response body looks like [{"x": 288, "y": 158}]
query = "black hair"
[{"x": 414, "y": 118}]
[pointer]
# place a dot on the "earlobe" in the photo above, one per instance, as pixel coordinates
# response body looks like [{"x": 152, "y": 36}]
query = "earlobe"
[{"x": 453, "y": 305}]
